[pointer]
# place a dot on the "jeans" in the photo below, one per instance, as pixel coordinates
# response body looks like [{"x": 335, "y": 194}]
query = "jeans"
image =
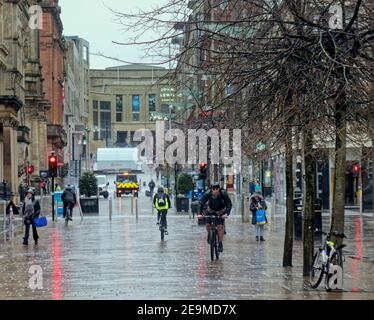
[{"x": 259, "y": 230}]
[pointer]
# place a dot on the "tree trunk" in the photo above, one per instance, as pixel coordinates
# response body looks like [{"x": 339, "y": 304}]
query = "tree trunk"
[
  {"x": 288, "y": 239},
  {"x": 337, "y": 218},
  {"x": 309, "y": 200}
]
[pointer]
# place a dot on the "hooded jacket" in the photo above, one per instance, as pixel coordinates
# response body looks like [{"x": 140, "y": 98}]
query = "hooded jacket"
[{"x": 253, "y": 206}]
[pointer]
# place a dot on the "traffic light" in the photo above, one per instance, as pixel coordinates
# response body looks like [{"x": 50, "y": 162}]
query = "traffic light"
[
  {"x": 30, "y": 169},
  {"x": 52, "y": 166},
  {"x": 355, "y": 170},
  {"x": 203, "y": 168}
]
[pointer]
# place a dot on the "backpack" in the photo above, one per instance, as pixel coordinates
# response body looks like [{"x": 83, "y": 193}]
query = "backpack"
[{"x": 161, "y": 200}]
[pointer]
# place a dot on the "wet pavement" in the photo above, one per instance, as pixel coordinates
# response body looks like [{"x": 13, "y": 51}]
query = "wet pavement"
[{"x": 124, "y": 258}]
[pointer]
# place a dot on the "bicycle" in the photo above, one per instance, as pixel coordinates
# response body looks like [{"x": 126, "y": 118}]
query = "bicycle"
[
  {"x": 69, "y": 213},
  {"x": 162, "y": 227},
  {"x": 326, "y": 256},
  {"x": 213, "y": 236}
]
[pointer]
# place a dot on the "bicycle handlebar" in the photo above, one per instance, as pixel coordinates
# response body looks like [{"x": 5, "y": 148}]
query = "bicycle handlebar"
[{"x": 334, "y": 233}]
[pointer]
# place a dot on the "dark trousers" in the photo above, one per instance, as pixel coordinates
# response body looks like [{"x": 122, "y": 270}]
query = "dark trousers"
[{"x": 27, "y": 232}]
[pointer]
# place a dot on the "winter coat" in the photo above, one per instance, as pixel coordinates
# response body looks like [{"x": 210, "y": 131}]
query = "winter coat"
[
  {"x": 30, "y": 210},
  {"x": 253, "y": 207},
  {"x": 223, "y": 201}
]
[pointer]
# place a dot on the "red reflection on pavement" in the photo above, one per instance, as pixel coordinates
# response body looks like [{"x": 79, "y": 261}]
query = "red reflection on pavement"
[
  {"x": 358, "y": 255},
  {"x": 56, "y": 252},
  {"x": 201, "y": 270}
]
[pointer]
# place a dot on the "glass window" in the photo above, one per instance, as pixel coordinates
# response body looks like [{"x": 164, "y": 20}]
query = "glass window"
[
  {"x": 119, "y": 103},
  {"x": 135, "y": 103},
  {"x": 136, "y": 108},
  {"x": 105, "y": 120},
  {"x": 95, "y": 119},
  {"x": 152, "y": 102},
  {"x": 119, "y": 108}
]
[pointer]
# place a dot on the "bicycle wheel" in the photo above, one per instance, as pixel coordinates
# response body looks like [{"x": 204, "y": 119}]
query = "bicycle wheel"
[
  {"x": 216, "y": 246},
  {"x": 316, "y": 272},
  {"x": 162, "y": 227},
  {"x": 212, "y": 243},
  {"x": 336, "y": 259}
]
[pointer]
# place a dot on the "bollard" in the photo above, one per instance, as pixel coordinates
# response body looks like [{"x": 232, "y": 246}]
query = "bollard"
[
  {"x": 110, "y": 208},
  {"x": 136, "y": 208},
  {"x": 132, "y": 204}
]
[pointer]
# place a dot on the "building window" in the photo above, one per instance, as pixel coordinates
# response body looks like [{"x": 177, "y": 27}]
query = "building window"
[
  {"x": 135, "y": 108},
  {"x": 121, "y": 138},
  {"x": 152, "y": 102},
  {"x": 119, "y": 108},
  {"x": 95, "y": 119},
  {"x": 105, "y": 120}
]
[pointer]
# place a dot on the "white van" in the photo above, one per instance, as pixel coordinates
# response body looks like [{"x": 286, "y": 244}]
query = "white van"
[{"x": 102, "y": 184}]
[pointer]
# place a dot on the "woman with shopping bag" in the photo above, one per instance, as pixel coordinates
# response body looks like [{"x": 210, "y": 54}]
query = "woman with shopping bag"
[
  {"x": 258, "y": 208},
  {"x": 30, "y": 211}
]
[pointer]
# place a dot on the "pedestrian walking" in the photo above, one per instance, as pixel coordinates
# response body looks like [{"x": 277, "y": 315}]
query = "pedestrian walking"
[
  {"x": 252, "y": 187},
  {"x": 151, "y": 186},
  {"x": 258, "y": 203},
  {"x": 258, "y": 188},
  {"x": 11, "y": 207},
  {"x": 30, "y": 211}
]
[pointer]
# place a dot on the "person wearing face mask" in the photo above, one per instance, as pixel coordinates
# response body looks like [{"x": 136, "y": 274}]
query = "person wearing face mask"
[
  {"x": 30, "y": 211},
  {"x": 219, "y": 204}
]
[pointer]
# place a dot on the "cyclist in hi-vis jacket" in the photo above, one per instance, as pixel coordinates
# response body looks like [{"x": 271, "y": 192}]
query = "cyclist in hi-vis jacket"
[
  {"x": 219, "y": 204},
  {"x": 162, "y": 203}
]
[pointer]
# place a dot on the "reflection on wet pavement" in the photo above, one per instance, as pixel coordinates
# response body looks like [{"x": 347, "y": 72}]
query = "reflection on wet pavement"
[{"x": 124, "y": 259}]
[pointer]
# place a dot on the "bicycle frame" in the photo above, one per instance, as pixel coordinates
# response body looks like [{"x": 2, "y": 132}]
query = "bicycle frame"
[
  {"x": 213, "y": 236},
  {"x": 327, "y": 252}
]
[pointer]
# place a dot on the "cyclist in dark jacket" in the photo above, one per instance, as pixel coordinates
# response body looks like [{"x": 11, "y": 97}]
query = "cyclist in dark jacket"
[
  {"x": 219, "y": 204},
  {"x": 69, "y": 199}
]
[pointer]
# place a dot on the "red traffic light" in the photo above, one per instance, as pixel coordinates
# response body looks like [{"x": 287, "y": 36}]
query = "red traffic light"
[
  {"x": 52, "y": 159},
  {"x": 355, "y": 168},
  {"x": 202, "y": 165},
  {"x": 30, "y": 169}
]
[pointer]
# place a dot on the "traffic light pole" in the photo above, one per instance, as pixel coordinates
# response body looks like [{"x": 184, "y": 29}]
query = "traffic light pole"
[{"x": 53, "y": 199}]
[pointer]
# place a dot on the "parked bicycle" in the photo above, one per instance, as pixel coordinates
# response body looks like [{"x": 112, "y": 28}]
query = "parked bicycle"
[{"x": 328, "y": 254}]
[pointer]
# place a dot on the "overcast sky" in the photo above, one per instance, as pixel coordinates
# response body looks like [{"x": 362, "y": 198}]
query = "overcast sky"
[{"x": 92, "y": 21}]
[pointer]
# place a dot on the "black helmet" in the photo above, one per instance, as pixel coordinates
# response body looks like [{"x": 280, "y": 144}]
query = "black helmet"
[
  {"x": 215, "y": 184},
  {"x": 160, "y": 189}
]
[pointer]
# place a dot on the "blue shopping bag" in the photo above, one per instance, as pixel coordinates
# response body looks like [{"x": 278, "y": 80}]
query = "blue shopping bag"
[
  {"x": 40, "y": 222},
  {"x": 261, "y": 216}
]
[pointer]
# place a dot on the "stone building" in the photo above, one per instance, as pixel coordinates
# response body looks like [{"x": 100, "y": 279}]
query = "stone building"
[
  {"x": 14, "y": 41},
  {"x": 76, "y": 101},
  {"x": 52, "y": 59},
  {"x": 124, "y": 99}
]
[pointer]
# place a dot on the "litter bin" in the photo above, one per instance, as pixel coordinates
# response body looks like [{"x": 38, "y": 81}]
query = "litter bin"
[
  {"x": 298, "y": 217},
  {"x": 60, "y": 205}
]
